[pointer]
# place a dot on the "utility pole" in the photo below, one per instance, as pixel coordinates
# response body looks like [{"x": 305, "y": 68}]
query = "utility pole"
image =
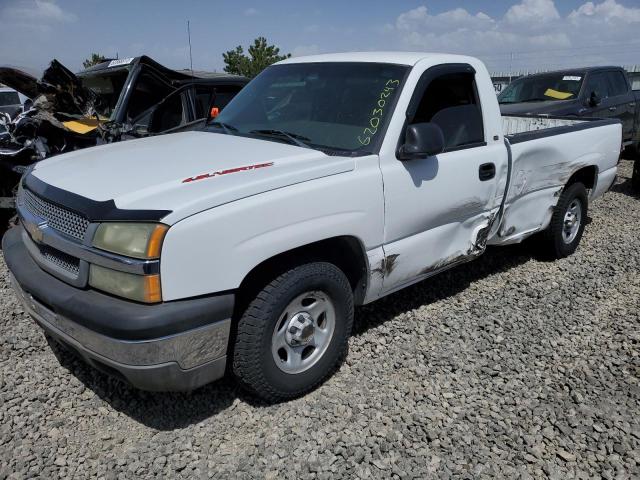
[{"x": 190, "y": 57}]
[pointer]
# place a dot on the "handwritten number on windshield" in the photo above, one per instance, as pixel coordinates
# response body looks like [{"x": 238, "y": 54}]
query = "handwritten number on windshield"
[{"x": 377, "y": 113}]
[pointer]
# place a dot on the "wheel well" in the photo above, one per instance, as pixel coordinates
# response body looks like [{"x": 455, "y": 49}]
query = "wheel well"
[
  {"x": 346, "y": 252},
  {"x": 586, "y": 176}
]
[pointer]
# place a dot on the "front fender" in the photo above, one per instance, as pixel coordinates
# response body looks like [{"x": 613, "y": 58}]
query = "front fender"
[{"x": 214, "y": 250}]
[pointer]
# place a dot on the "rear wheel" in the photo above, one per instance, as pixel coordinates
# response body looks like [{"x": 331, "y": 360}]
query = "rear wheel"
[
  {"x": 294, "y": 333},
  {"x": 568, "y": 222}
]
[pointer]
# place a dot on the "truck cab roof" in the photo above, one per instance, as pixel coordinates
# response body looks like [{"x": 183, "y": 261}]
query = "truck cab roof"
[
  {"x": 582, "y": 70},
  {"x": 177, "y": 76},
  {"x": 398, "y": 58}
]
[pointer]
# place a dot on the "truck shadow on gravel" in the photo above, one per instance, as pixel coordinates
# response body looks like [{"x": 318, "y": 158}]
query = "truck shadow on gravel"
[
  {"x": 170, "y": 411},
  {"x": 161, "y": 411},
  {"x": 625, "y": 187},
  {"x": 445, "y": 285}
]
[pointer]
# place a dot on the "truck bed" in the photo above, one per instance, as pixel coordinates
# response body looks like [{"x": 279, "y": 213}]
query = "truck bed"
[
  {"x": 521, "y": 128},
  {"x": 512, "y": 125},
  {"x": 544, "y": 153}
]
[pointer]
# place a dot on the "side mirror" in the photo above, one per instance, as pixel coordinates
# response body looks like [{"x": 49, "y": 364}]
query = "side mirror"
[
  {"x": 422, "y": 140},
  {"x": 594, "y": 99},
  {"x": 28, "y": 103}
]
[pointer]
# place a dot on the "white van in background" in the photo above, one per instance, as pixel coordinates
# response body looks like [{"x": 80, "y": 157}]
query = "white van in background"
[{"x": 11, "y": 102}]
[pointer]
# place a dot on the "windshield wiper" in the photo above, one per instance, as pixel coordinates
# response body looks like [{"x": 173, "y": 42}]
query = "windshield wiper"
[
  {"x": 292, "y": 137},
  {"x": 226, "y": 127},
  {"x": 535, "y": 100}
]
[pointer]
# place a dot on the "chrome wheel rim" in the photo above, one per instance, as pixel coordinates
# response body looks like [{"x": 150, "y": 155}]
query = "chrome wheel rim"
[
  {"x": 572, "y": 219},
  {"x": 303, "y": 332}
]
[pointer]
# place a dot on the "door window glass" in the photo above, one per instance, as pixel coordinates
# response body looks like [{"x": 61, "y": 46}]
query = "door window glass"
[
  {"x": 169, "y": 114},
  {"x": 451, "y": 102},
  {"x": 598, "y": 83},
  {"x": 148, "y": 91},
  {"x": 618, "y": 84}
]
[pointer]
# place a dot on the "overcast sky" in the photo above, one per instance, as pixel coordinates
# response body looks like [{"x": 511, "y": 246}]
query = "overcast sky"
[{"x": 517, "y": 34}]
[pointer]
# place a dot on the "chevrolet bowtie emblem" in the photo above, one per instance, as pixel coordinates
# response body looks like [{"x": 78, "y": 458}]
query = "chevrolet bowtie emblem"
[{"x": 34, "y": 231}]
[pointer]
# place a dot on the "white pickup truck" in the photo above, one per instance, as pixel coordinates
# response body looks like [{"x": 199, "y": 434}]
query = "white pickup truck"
[{"x": 329, "y": 181}]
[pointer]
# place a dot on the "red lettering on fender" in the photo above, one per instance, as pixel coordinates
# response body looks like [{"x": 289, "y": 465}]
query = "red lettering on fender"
[{"x": 226, "y": 172}]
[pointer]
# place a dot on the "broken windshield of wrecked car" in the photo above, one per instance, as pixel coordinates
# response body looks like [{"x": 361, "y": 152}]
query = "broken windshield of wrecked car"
[
  {"x": 108, "y": 87},
  {"x": 339, "y": 106}
]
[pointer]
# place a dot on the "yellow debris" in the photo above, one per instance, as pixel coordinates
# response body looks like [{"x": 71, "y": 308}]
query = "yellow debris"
[
  {"x": 82, "y": 126},
  {"x": 556, "y": 94}
]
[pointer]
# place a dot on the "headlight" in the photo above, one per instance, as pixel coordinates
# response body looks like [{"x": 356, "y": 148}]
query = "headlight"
[
  {"x": 138, "y": 240},
  {"x": 141, "y": 288}
]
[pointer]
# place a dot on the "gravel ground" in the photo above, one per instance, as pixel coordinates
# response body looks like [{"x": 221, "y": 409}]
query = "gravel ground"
[{"x": 506, "y": 367}]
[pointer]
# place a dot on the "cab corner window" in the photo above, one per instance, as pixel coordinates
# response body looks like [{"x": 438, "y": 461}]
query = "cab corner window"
[{"x": 451, "y": 102}]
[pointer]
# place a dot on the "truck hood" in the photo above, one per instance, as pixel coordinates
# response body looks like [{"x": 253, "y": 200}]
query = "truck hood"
[{"x": 185, "y": 173}]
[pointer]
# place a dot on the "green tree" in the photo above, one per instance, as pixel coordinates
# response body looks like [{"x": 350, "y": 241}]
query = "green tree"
[
  {"x": 94, "y": 59},
  {"x": 261, "y": 55}
]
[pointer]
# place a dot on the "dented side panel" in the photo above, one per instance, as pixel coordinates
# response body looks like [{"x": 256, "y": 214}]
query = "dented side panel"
[
  {"x": 420, "y": 256},
  {"x": 541, "y": 169},
  {"x": 377, "y": 264}
]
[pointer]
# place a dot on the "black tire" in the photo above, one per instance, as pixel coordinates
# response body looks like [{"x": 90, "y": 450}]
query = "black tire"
[
  {"x": 635, "y": 178},
  {"x": 556, "y": 245},
  {"x": 254, "y": 364}
]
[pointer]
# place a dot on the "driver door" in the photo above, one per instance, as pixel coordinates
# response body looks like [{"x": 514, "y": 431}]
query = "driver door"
[{"x": 438, "y": 207}]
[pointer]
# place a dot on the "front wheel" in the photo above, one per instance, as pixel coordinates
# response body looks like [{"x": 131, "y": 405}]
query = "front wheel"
[
  {"x": 294, "y": 333},
  {"x": 568, "y": 222}
]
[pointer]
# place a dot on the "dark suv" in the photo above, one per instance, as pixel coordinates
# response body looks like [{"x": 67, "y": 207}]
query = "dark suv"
[{"x": 602, "y": 92}]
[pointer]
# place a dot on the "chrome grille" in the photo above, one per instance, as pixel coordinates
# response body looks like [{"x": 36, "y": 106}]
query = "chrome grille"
[
  {"x": 58, "y": 218},
  {"x": 61, "y": 259}
]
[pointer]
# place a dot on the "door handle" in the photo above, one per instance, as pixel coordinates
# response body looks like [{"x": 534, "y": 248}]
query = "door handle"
[
  {"x": 613, "y": 109},
  {"x": 632, "y": 104},
  {"x": 486, "y": 171}
]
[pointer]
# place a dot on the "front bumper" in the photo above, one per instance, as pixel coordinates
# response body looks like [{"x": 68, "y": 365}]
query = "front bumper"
[{"x": 172, "y": 346}]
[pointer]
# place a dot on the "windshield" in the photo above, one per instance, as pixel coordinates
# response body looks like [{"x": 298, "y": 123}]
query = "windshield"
[
  {"x": 335, "y": 107},
  {"x": 108, "y": 86},
  {"x": 542, "y": 88}
]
